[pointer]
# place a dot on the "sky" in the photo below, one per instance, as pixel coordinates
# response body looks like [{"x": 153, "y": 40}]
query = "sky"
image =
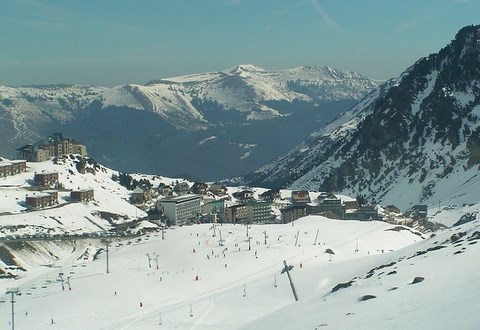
[{"x": 112, "y": 43}]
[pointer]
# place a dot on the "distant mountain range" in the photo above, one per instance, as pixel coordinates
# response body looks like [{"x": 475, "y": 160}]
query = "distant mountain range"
[
  {"x": 415, "y": 139},
  {"x": 210, "y": 125}
]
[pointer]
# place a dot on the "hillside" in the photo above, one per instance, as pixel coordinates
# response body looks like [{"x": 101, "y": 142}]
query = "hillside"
[
  {"x": 238, "y": 113},
  {"x": 428, "y": 285},
  {"x": 414, "y": 140},
  {"x": 109, "y": 213}
]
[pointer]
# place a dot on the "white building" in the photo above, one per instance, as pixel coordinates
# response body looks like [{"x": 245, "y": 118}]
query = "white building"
[{"x": 182, "y": 209}]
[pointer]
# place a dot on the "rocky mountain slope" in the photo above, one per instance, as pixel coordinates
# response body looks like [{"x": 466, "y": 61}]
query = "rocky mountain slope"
[
  {"x": 416, "y": 139},
  {"x": 236, "y": 113}
]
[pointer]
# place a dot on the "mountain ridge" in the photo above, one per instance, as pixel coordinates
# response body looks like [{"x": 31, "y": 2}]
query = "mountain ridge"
[{"x": 245, "y": 107}]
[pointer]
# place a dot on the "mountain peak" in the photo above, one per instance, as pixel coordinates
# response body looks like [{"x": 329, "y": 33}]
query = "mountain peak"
[
  {"x": 241, "y": 68},
  {"x": 469, "y": 35}
]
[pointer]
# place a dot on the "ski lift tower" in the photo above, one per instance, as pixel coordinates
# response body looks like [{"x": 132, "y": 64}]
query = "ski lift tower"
[
  {"x": 287, "y": 269},
  {"x": 13, "y": 292}
]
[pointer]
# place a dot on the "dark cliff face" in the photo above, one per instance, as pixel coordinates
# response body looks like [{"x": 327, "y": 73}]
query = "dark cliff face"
[{"x": 419, "y": 129}]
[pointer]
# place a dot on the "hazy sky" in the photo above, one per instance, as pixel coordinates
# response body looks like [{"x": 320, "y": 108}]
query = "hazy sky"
[{"x": 115, "y": 42}]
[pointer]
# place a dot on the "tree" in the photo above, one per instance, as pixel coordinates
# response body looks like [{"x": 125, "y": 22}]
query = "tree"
[
  {"x": 361, "y": 200},
  {"x": 125, "y": 180}
]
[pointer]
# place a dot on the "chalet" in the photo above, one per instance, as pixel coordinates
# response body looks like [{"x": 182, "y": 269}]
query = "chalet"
[
  {"x": 218, "y": 189},
  {"x": 392, "y": 209},
  {"x": 82, "y": 195},
  {"x": 181, "y": 188},
  {"x": 300, "y": 197},
  {"x": 46, "y": 179},
  {"x": 164, "y": 190},
  {"x": 41, "y": 200},
  {"x": 199, "y": 188},
  {"x": 243, "y": 195},
  {"x": 293, "y": 212},
  {"x": 331, "y": 206},
  {"x": 322, "y": 196},
  {"x": 270, "y": 195},
  {"x": 140, "y": 194}
]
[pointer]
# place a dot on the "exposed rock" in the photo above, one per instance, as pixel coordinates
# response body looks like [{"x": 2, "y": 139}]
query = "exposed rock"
[
  {"x": 367, "y": 297},
  {"x": 417, "y": 279}
]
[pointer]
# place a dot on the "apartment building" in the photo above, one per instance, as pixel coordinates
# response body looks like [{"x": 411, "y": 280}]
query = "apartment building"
[
  {"x": 41, "y": 200},
  {"x": 181, "y": 210},
  {"x": 82, "y": 195}
]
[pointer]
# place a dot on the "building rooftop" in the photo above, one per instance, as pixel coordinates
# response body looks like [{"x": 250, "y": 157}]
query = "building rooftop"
[
  {"x": 38, "y": 195},
  {"x": 82, "y": 190},
  {"x": 179, "y": 199},
  {"x": 46, "y": 173}
]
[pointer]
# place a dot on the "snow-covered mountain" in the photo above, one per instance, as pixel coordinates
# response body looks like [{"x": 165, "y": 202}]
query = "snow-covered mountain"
[
  {"x": 416, "y": 139},
  {"x": 253, "y": 91},
  {"x": 237, "y": 112}
]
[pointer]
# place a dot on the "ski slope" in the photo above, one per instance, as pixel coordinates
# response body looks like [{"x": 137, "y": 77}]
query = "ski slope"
[{"x": 235, "y": 286}]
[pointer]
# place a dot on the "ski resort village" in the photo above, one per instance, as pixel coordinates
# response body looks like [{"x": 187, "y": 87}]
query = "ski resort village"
[
  {"x": 167, "y": 202},
  {"x": 87, "y": 247},
  {"x": 242, "y": 198}
]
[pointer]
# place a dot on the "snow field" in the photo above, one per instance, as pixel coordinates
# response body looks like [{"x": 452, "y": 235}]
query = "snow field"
[{"x": 112, "y": 301}]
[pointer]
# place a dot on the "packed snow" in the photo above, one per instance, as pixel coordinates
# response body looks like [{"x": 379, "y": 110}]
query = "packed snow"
[{"x": 210, "y": 269}]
